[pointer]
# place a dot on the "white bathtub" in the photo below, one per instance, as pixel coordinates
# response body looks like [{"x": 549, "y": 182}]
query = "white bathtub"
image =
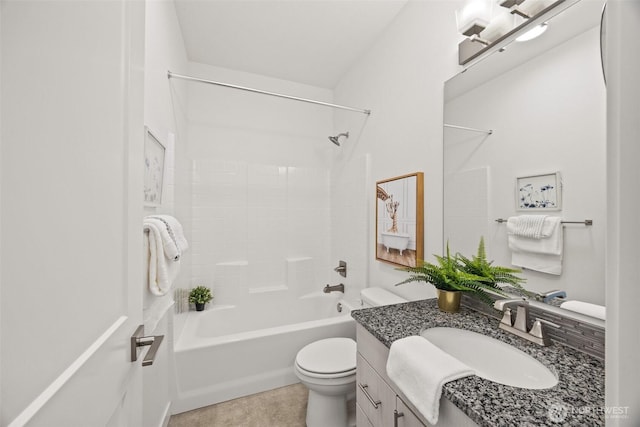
[
  {"x": 398, "y": 241},
  {"x": 230, "y": 351}
]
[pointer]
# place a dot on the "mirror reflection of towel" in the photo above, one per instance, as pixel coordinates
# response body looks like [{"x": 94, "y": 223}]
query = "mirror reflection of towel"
[{"x": 542, "y": 254}]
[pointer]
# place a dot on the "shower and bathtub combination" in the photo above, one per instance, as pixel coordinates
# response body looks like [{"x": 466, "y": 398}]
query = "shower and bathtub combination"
[{"x": 259, "y": 212}]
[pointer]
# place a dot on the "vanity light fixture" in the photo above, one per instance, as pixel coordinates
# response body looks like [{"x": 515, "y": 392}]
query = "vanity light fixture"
[
  {"x": 533, "y": 33},
  {"x": 474, "y": 17},
  {"x": 509, "y": 3}
]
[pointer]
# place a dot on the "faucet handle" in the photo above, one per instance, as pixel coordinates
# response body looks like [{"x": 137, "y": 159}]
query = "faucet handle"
[
  {"x": 506, "y": 317},
  {"x": 536, "y": 329}
]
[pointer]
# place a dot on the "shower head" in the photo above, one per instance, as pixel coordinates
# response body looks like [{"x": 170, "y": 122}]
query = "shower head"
[{"x": 335, "y": 139}]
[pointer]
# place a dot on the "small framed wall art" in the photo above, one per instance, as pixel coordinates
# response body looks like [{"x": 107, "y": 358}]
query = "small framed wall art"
[
  {"x": 400, "y": 219},
  {"x": 539, "y": 192},
  {"x": 154, "y": 158}
]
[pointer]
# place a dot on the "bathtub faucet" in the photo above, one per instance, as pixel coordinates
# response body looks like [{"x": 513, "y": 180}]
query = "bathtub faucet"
[{"x": 338, "y": 288}]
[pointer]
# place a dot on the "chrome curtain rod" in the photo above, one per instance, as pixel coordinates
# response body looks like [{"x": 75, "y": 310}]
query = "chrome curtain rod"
[
  {"x": 488, "y": 132},
  {"x": 264, "y": 92},
  {"x": 585, "y": 222}
]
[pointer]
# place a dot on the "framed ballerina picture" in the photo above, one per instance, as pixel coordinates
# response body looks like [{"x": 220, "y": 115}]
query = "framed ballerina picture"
[{"x": 399, "y": 219}]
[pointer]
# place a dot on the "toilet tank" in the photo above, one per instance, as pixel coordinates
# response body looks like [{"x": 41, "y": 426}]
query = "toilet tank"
[{"x": 373, "y": 297}]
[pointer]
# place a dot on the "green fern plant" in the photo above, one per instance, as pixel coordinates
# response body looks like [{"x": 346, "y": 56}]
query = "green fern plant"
[
  {"x": 493, "y": 275},
  {"x": 448, "y": 275}
]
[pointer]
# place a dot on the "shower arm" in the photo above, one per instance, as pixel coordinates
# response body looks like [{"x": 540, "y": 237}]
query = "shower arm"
[{"x": 171, "y": 75}]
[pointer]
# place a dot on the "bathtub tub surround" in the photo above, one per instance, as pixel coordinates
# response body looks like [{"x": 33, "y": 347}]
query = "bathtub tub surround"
[
  {"x": 220, "y": 353},
  {"x": 578, "y": 397},
  {"x": 200, "y": 295}
]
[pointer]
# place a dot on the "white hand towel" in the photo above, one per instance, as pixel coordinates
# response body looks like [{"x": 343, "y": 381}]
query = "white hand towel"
[
  {"x": 526, "y": 226},
  {"x": 175, "y": 228},
  {"x": 551, "y": 244},
  {"x": 170, "y": 247},
  {"x": 162, "y": 272},
  {"x": 550, "y": 264},
  {"x": 420, "y": 369},
  {"x": 593, "y": 310},
  {"x": 544, "y": 254}
]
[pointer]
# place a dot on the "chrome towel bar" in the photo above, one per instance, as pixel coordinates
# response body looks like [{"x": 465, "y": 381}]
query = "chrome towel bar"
[{"x": 585, "y": 222}]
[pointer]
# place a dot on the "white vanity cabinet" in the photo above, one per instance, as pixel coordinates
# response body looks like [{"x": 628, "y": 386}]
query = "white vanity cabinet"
[{"x": 378, "y": 404}]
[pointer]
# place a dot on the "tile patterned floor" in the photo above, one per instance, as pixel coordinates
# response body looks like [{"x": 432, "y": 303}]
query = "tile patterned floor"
[{"x": 282, "y": 407}]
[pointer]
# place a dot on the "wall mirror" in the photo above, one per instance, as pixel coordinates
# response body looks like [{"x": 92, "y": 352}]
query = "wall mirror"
[{"x": 534, "y": 108}]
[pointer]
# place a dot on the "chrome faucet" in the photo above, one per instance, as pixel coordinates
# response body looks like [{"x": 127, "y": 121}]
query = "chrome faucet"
[
  {"x": 546, "y": 297},
  {"x": 519, "y": 327},
  {"x": 334, "y": 288}
]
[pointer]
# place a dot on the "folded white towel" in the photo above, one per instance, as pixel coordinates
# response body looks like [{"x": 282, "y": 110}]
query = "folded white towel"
[
  {"x": 550, "y": 244},
  {"x": 542, "y": 254},
  {"x": 526, "y": 226},
  {"x": 173, "y": 240},
  {"x": 550, "y": 264},
  {"x": 593, "y": 310},
  {"x": 161, "y": 272},
  {"x": 176, "y": 229},
  {"x": 420, "y": 369}
]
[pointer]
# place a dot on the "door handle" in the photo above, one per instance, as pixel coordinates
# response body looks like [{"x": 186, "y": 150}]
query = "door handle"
[
  {"x": 139, "y": 340},
  {"x": 396, "y": 415}
]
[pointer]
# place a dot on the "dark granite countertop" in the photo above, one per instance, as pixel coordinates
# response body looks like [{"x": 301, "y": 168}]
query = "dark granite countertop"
[{"x": 577, "y": 399}]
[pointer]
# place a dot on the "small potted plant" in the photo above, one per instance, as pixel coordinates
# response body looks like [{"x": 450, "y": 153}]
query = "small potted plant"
[
  {"x": 200, "y": 295},
  {"x": 453, "y": 275}
]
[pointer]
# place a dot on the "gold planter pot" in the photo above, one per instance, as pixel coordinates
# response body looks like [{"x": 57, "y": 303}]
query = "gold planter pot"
[{"x": 449, "y": 301}]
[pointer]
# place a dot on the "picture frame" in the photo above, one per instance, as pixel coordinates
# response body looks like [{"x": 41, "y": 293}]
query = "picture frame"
[
  {"x": 154, "y": 169},
  {"x": 400, "y": 220},
  {"x": 539, "y": 192}
]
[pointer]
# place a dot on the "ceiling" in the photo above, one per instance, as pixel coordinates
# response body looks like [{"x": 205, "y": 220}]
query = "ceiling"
[{"x": 307, "y": 41}]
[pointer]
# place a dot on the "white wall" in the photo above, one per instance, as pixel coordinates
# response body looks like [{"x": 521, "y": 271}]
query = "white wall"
[
  {"x": 260, "y": 198},
  {"x": 623, "y": 199},
  {"x": 165, "y": 116},
  {"x": 549, "y": 114},
  {"x": 401, "y": 80}
]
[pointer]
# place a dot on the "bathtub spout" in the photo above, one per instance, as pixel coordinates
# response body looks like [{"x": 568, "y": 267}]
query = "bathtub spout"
[{"x": 338, "y": 288}]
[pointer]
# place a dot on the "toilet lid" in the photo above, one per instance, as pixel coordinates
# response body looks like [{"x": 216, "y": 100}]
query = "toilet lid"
[{"x": 328, "y": 356}]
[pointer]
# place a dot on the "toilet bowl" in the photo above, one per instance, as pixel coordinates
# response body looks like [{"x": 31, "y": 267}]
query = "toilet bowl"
[{"x": 328, "y": 369}]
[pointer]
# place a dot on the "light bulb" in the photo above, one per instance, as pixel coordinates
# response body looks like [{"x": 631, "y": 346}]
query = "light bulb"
[{"x": 533, "y": 33}]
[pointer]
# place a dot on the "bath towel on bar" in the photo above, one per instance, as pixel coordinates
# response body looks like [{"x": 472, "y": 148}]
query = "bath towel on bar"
[
  {"x": 420, "y": 369},
  {"x": 161, "y": 271},
  {"x": 173, "y": 239},
  {"x": 527, "y": 226},
  {"x": 543, "y": 253}
]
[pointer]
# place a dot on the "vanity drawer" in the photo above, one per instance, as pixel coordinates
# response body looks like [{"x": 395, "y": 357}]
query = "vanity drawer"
[
  {"x": 361, "y": 418},
  {"x": 374, "y": 396}
]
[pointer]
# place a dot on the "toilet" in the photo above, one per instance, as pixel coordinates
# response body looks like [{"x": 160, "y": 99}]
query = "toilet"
[{"x": 328, "y": 369}]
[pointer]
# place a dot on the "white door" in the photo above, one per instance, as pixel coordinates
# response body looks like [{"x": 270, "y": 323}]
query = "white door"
[{"x": 70, "y": 211}]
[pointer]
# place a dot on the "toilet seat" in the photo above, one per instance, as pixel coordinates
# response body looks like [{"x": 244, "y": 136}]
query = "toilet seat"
[{"x": 328, "y": 358}]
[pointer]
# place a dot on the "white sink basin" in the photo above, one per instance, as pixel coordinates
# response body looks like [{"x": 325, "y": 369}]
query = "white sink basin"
[{"x": 492, "y": 359}]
